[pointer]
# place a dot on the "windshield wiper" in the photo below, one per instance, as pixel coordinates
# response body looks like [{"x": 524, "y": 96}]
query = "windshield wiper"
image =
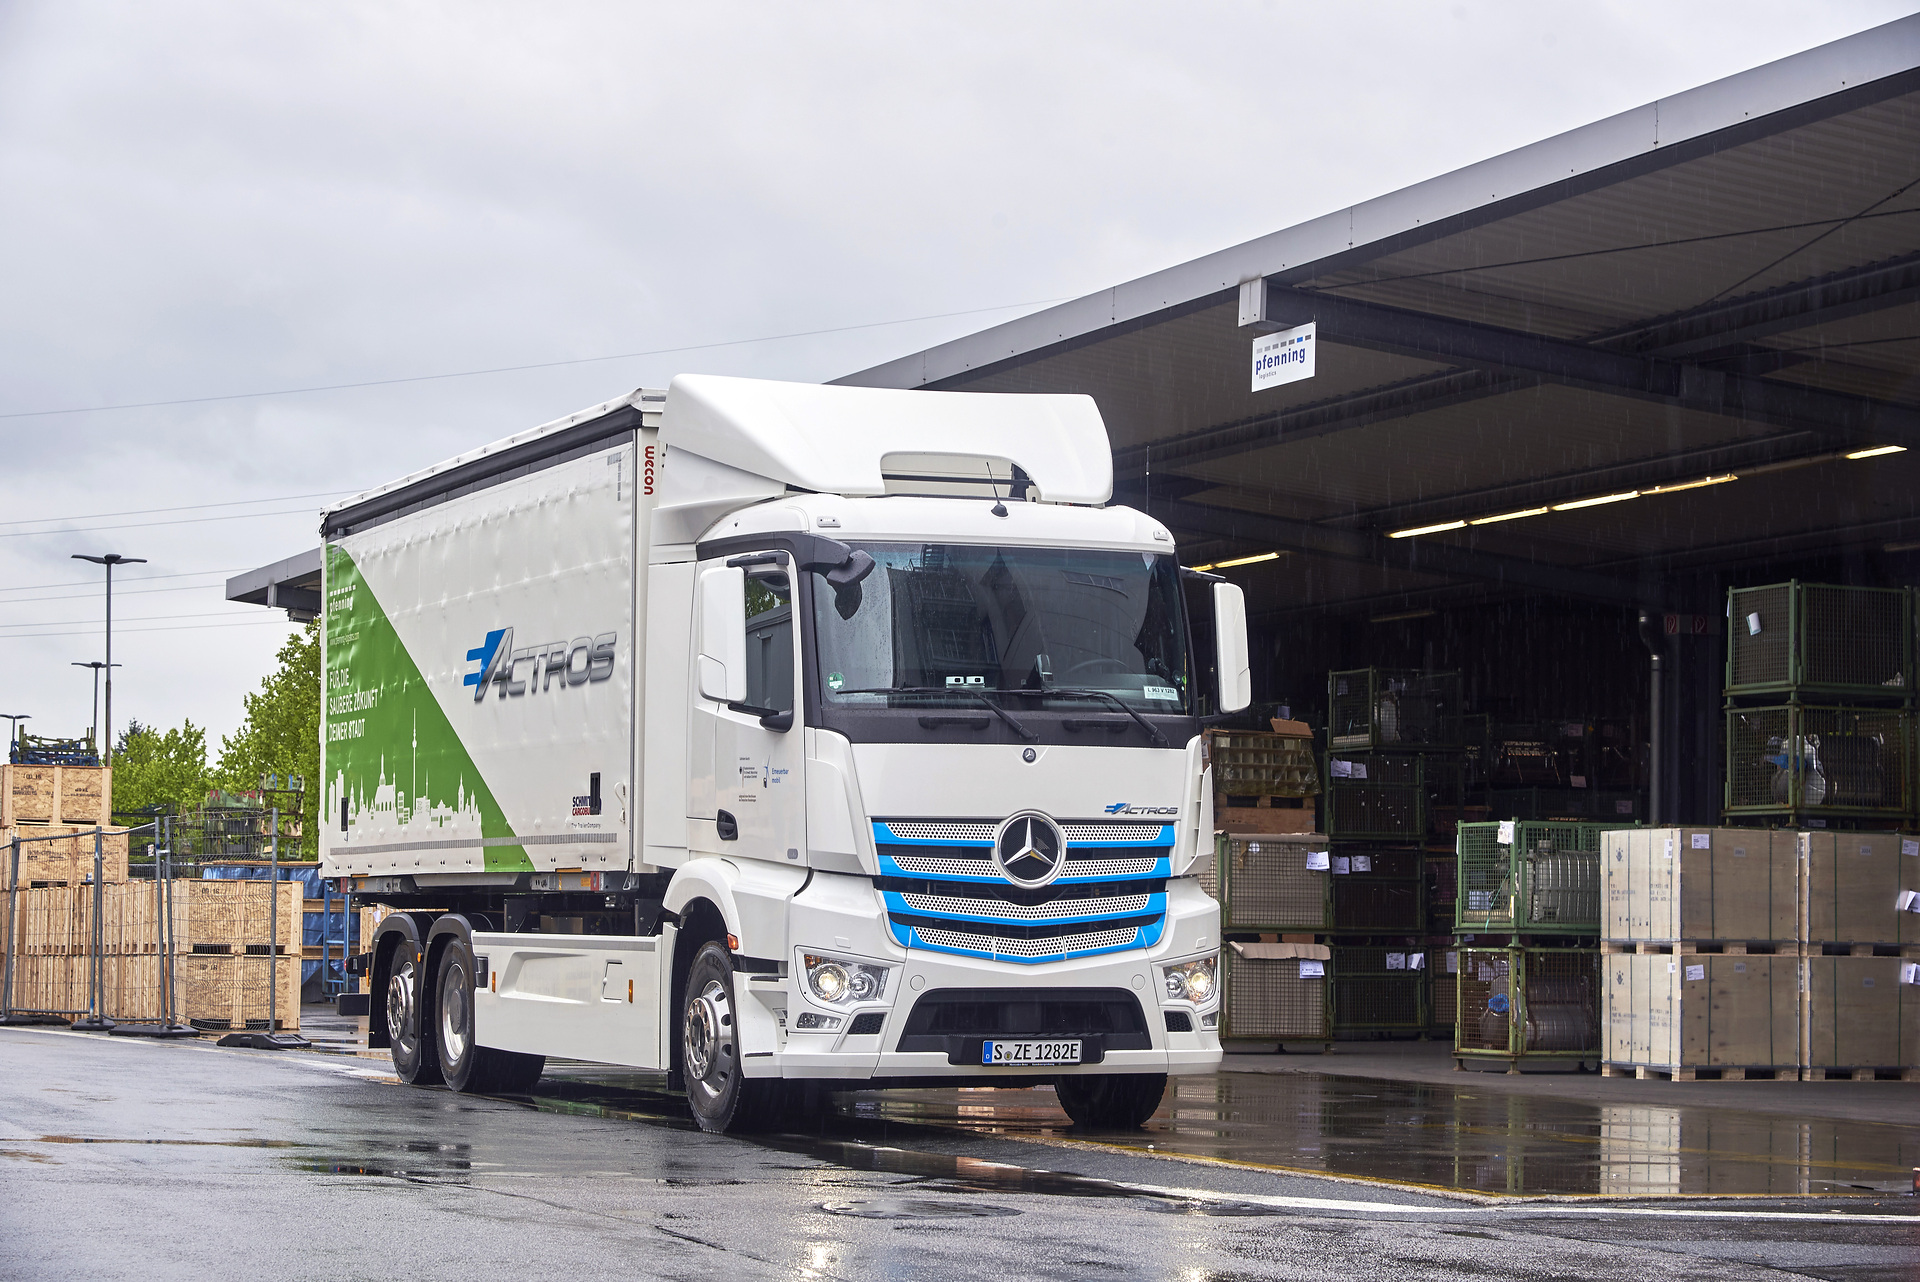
[
  {"x": 977, "y": 696},
  {"x": 1159, "y": 740}
]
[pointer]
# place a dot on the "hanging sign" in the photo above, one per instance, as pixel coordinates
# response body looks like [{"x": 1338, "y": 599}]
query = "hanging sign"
[{"x": 1285, "y": 357}]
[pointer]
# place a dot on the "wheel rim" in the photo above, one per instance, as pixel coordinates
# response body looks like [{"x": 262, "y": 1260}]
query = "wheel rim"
[
  {"x": 707, "y": 1037},
  {"x": 400, "y": 1006},
  {"x": 455, "y": 1012}
]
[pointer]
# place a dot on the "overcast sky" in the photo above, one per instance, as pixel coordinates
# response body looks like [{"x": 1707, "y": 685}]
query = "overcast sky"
[{"x": 199, "y": 200}]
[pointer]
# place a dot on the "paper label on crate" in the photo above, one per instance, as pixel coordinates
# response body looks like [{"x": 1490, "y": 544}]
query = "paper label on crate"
[
  {"x": 1702, "y": 841},
  {"x": 1816, "y": 823},
  {"x": 1909, "y": 901},
  {"x": 1622, "y": 807},
  {"x": 1908, "y": 846},
  {"x": 1866, "y": 981},
  {"x": 1671, "y": 968},
  {"x": 1505, "y": 835},
  {"x": 1340, "y": 865},
  {"x": 1312, "y": 969},
  {"x": 1347, "y": 769},
  {"x": 1316, "y": 861},
  {"x": 1362, "y": 863},
  {"x": 1696, "y": 972},
  {"x": 1753, "y": 624},
  {"x": 1910, "y": 972},
  {"x": 1578, "y": 781},
  {"x": 1669, "y": 848},
  {"x": 1739, "y": 968},
  {"x": 1453, "y": 963},
  {"x": 1396, "y": 961},
  {"x": 1739, "y": 852},
  {"x": 1416, "y": 961}
]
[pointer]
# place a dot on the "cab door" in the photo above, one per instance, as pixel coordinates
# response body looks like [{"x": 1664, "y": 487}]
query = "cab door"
[{"x": 746, "y": 677}]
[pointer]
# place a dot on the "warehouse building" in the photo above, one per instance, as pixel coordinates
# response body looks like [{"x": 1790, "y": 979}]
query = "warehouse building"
[{"x": 1531, "y": 420}]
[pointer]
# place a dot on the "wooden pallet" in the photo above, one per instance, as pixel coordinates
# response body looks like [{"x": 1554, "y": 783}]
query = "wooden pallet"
[
  {"x": 1699, "y": 947},
  {"x": 1646, "y": 1073},
  {"x": 66, "y": 860}
]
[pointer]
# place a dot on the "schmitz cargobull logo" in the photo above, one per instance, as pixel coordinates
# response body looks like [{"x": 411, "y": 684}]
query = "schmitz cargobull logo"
[{"x": 550, "y": 664}]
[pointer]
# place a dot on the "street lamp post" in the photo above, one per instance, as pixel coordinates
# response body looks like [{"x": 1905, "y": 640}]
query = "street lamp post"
[
  {"x": 93, "y": 727},
  {"x": 109, "y": 560},
  {"x": 13, "y": 725}
]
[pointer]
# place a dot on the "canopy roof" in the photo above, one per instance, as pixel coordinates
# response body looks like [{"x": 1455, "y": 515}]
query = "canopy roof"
[{"x": 1722, "y": 286}]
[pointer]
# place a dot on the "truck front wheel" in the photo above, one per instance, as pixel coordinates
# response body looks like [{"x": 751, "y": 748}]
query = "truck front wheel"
[
  {"x": 464, "y": 1064},
  {"x": 720, "y": 1094},
  {"x": 1120, "y": 1102}
]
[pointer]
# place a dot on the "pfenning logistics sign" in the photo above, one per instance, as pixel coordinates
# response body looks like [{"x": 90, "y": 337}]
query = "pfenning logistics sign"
[{"x": 1286, "y": 357}]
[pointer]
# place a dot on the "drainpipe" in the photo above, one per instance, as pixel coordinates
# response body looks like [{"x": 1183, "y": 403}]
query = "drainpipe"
[{"x": 1655, "y": 643}]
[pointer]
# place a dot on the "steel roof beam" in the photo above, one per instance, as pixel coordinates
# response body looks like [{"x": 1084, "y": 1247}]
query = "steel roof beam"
[
  {"x": 1415, "y": 556},
  {"x": 1394, "y": 330},
  {"x": 1723, "y": 327}
]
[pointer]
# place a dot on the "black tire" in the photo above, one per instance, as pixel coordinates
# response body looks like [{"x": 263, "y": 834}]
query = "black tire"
[
  {"x": 1118, "y": 1102},
  {"x": 465, "y": 1065},
  {"x": 720, "y": 1094},
  {"x": 409, "y": 1036}
]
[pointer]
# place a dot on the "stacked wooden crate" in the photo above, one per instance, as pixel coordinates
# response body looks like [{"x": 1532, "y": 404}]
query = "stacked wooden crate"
[
  {"x": 218, "y": 964},
  {"x": 1736, "y": 953},
  {"x": 62, "y": 802}
]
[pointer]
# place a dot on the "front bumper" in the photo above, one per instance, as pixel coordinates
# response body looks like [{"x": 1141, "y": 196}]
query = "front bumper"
[{"x": 840, "y": 916}]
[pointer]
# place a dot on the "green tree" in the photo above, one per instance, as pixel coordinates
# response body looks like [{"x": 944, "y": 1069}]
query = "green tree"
[
  {"x": 152, "y": 768},
  {"x": 281, "y": 733}
]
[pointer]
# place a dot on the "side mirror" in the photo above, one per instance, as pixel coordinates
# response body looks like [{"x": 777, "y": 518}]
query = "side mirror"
[
  {"x": 721, "y": 612},
  {"x": 1230, "y": 647}
]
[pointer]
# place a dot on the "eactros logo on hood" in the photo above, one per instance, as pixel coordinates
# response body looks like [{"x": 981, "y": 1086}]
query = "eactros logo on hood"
[
  {"x": 1128, "y": 808},
  {"x": 550, "y": 664}
]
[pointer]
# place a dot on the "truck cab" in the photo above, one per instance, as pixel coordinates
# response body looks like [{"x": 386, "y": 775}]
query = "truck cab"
[{"x": 892, "y": 733}]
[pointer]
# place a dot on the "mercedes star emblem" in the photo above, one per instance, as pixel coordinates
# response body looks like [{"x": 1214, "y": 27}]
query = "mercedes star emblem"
[{"x": 1030, "y": 849}]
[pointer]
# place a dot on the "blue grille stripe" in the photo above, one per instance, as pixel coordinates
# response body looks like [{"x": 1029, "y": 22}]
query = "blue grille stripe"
[
  {"x": 1156, "y": 906},
  {"x": 884, "y": 835},
  {"x": 1148, "y": 937}
]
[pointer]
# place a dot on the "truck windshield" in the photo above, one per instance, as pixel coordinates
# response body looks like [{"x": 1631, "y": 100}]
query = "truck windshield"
[{"x": 949, "y": 622}]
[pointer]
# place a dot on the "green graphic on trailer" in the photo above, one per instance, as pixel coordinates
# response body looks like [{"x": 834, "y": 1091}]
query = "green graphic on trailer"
[{"x": 395, "y": 765}]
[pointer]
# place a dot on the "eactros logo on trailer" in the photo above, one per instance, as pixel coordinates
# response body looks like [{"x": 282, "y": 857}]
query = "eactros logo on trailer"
[{"x": 550, "y": 664}]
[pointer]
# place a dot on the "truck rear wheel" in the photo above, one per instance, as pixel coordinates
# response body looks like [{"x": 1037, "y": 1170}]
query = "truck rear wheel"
[
  {"x": 722, "y": 1097},
  {"x": 415, "y": 1062},
  {"x": 1120, "y": 1102},
  {"x": 464, "y": 1064}
]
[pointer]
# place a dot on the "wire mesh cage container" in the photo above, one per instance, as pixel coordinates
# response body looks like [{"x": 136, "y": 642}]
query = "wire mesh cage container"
[
  {"x": 1272, "y": 882},
  {"x": 1393, "y": 709},
  {"x": 1276, "y": 992},
  {"x": 1259, "y": 763},
  {"x": 1796, "y": 761},
  {"x": 1378, "y": 905},
  {"x": 1442, "y": 874},
  {"x": 1376, "y": 797},
  {"x": 1443, "y": 986},
  {"x": 1820, "y": 638},
  {"x": 1529, "y": 878},
  {"x": 1379, "y": 989},
  {"x": 1566, "y": 804},
  {"x": 1521, "y": 1004}
]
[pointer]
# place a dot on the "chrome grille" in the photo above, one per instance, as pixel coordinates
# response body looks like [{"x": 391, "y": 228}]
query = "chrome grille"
[
  {"x": 1059, "y": 908},
  {"x": 1104, "y": 834},
  {"x": 949, "y": 866},
  {"x": 994, "y": 946}
]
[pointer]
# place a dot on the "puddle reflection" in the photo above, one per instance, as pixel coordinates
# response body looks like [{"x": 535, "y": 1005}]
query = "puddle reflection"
[{"x": 1438, "y": 1136}]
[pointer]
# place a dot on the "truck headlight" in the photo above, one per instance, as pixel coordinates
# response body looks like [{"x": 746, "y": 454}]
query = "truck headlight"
[
  {"x": 841, "y": 983},
  {"x": 1191, "y": 981}
]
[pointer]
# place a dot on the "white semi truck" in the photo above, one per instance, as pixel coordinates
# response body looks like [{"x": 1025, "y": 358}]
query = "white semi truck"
[{"x": 785, "y": 738}]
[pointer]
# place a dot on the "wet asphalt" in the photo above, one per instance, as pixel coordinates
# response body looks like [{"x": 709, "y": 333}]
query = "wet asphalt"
[{"x": 122, "y": 1158}]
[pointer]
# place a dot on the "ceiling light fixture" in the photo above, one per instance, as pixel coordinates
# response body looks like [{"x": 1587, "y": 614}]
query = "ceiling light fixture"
[
  {"x": 1604, "y": 498},
  {"x": 1878, "y": 451},
  {"x": 1509, "y": 516},
  {"x": 1246, "y": 560},
  {"x": 1692, "y": 485},
  {"x": 1428, "y": 529}
]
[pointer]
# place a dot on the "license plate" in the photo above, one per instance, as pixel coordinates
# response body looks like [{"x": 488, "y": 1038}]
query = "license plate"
[{"x": 1030, "y": 1052}]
